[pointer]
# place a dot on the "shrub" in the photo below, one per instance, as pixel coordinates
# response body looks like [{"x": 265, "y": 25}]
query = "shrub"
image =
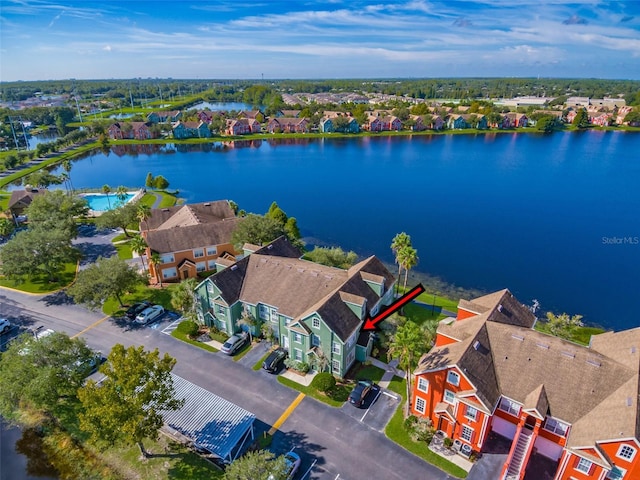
[
  {"x": 448, "y": 442},
  {"x": 189, "y": 328},
  {"x": 301, "y": 367},
  {"x": 323, "y": 382}
]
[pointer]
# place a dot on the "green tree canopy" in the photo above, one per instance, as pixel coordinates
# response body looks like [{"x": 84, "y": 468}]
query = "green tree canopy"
[
  {"x": 332, "y": 257},
  {"x": 149, "y": 181},
  {"x": 562, "y": 325},
  {"x": 120, "y": 217},
  {"x": 39, "y": 373},
  {"x": 408, "y": 344},
  {"x": 126, "y": 407},
  {"x": 581, "y": 119},
  {"x": 258, "y": 465},
  {"x": 160, "y": 183},
  {"x": 6, "y": 227},
  {"x": 183, "y": 298},
  {"x": 107, "y": 278},
  {"x": 55, "y": 210},
  {"x": 257, "y": 230},
  {"x": 37, "y": 251}
]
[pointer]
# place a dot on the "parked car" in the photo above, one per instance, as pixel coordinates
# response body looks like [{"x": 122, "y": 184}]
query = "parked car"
[
  {"x": 150, "y": 314},
  {"x": 5, "y": 325},
  {"x": 273, "y": 363},
  {"x": 234, "y": 343},
  {"x": 91, "y": 364},
  {"x": 134, "y": 310},
  {"x": 359, "y": 393},
  {"x": 292, "y": 462}
]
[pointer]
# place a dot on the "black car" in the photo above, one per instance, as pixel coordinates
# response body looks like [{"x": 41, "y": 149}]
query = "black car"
[
  {"x": 136, "y": 308},
  {"x": 359, "y": 393},
  {"x": 274, "y": 361}
]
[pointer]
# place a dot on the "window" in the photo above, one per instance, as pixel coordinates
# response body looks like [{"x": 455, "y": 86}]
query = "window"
[
  {"x": 212, "y": 251},
  {"x": 555, "y": 426},
  {"x": 169, "y": 272},
  {"x": 421, "y": 405},
  {"x": 297, "y": 354},
  {"x": 335, "y": 348},
  {"x": 466, "y": 434},
  {"x": 453, "y": 378},
  {"x": 315, "y": 323},
  {"x": 335, "y": 366},
  {"x": 471, "y": 413},
  {"x": 627, "y": 452},
  {"x": 508, "y": 406},
  {"x": 449, "y": 396},
  {"x": 220, "y": 310},
  {"x": 583, "y": 465},
  {"x": 351, "y": 356},
  {"x": 201, "y": 266},
  {"x": 423, "y": 384},
  {"x": 198, "y": 253},
  {"x": 167, "y": 258},
  {"x": 297, "y": 337},
  {"x": 263, "y": 312},
  {"x": 315, "y": 340},
  {"x": 211, "y": 264},
  {"x": 616, "y": 473},
  {"x": 351, "y": 340}
]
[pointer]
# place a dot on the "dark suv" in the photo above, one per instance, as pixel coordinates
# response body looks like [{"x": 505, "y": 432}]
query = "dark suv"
[
  {"x": 274, "y": 361},
  {"x": 136, "y": 308}
]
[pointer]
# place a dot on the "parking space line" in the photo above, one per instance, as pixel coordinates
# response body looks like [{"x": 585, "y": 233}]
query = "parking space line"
[
  {"x": 371, "y": 405},
  {"x": 93, "y": 325},
  {"x": 286, "y": 413},
  {"x": 390, "y": 395},
  {"x": 171, "y": 327}
]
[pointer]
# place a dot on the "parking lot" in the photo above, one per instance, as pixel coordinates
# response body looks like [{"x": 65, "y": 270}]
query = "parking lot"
[{"x": 377, "y": 409}]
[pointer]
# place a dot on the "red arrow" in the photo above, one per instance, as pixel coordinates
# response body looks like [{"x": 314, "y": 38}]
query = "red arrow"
[{"x": 370, "y": 323}]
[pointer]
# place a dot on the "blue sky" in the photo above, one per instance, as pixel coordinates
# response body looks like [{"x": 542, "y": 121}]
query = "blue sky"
[{"x": 42, "y": 40}]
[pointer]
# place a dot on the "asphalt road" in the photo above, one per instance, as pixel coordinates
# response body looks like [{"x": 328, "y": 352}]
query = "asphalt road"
[{"x": 341, "y": 443}]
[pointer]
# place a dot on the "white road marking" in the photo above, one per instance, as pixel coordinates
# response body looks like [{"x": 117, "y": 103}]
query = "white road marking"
[
  {"x": 391, "y": 395},
  {"x": 308, "y": 471},
  {"x": 171, "y": 327},
  {"x": 374, "y": 401}
]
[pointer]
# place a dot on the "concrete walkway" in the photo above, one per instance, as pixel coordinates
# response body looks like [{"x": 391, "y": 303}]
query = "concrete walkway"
[{"x": 390, "y": 370}]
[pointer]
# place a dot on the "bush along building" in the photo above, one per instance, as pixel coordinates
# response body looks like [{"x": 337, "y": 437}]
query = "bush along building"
[
  {"x": 315, "y": 312},
  {"x": 571, "y": 408}
]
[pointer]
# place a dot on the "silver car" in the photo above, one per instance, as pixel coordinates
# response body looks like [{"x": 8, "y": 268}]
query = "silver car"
[
  {"x": 150, "y": 314},
  {"x": 234, "y": 343}
]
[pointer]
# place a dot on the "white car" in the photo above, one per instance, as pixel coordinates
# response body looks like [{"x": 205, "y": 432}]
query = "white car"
[
  {"x": 149, "y": 314},
  {"x": 5, "y": 326}
]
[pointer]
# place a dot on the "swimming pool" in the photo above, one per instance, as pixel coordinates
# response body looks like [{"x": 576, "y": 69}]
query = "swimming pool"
[{"x": 99, "y": 202}]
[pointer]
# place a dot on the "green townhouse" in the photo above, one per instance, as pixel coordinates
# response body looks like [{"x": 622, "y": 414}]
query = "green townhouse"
[{"x": 316, "y": 312}]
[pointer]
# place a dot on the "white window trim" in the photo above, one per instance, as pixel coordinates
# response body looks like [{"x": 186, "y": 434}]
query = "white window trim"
[
  {"x": 297, "y": 337},
  {"x": 467, "y": 428},
  {"x": 512, "y": 404},
  {"x": 315, "y": 340},
  {"x": 555, "y": 430},
  {"x": 473, "y": 417},
  {"x": 201, "y": 266},
  {"x": 424, "y": 405},
  {"x": 633, "y": 452},
  {"x": 423, "y": 384},
  {"x": 444, "y": 397},
  {"x": 314, "y": 321},
  {"x": 200, "y": 251},
  {"x": 455, "y": 374},
  {"x": 211, "y": 249},
  {"x": 623, "y": 473},
  {"x": 336, "y": 348},
  {"x": 579, "y": 466},
  {"x": 164, "y": 258},
  {"x": 166, "y": 271},
  {"x": 334, "y": 368},
  {"x": 297, "y": 354}
]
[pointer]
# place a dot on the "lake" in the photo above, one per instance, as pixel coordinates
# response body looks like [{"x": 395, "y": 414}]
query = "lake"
[{"x": 551, "y": 217}]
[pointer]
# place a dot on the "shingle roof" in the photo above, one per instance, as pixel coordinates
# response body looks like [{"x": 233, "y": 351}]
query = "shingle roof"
[{"x": 22, "y": 197}]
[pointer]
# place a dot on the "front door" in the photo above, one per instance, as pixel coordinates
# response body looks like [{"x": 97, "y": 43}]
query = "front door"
[{"x": 285, "y": 342}]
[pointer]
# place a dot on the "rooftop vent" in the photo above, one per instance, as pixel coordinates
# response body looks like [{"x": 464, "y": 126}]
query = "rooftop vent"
[
  {"x": 476, "y": 345},
  {"x": 233, "y": 267},
  {"x": 593, "y": 362},
  {"x": 629, "y": 401},
  {"x": 543, "y": 345},
  {"x": 500, "y": 308},
  {"x": 207, "y": 204},
  {"x": 269, "y": 247},
  {"x": 517, "y": 337},
  {"x": 571, "y": 355},
  {"x": 633, "y": 349}
]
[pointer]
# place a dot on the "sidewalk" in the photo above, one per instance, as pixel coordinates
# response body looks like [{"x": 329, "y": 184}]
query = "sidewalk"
[{"x": 390, "y": 370}]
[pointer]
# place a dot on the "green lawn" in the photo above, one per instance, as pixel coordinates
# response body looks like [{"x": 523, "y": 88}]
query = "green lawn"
[
  {"x": 124, "y": 250},
  {"x": 186, "y": 339},
  {"x": 246, "y": 349},
  {"x": 396, "y": 432},
  {"x": 581, "y": 335},
  {"x": 340, "y": 396},
  {"x": 420, "y": 314},
  {"x": 370, "y": 372},
  {"x": 40, "y": 284},
  {"x": 437, "y": 300},
  {"x": 161, "y": 296},
  {"x": 258, "y": 364}
]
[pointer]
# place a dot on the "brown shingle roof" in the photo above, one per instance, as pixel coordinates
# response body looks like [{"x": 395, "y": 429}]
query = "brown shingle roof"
[
  {"x": 192, "y": 214},
  {"x": 180, "y": 238},
  {"x": 22, "y": 198}
]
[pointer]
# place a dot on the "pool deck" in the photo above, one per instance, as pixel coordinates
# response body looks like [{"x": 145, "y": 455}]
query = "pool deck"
[{"x": 137, "y": 195}]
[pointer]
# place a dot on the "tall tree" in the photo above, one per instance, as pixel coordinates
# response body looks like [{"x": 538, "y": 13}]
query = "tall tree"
[
  {"x": 143, "y": 212},
  {"x": 121, "y": 217},
  {"x": 562, "y": 325},
  {"x": 107, "y": 278},
  {"x": 407, "y": 345},
  {"x": 258, "y": 465},
  {"x": 106, "y": 189},
  {"x": 249, "y": 321},
  {"x": 139, "y": 246},
  {"x": 6, "y": 227},
  {"x": 257, "y": 230},
  {"x": 126, "y": 407},
  {"x": 160, "y": 183},
  {"x": 400, "y": 241},
  {"x": 66, "y": 166},
  {"x": 407, "y": 259},
  {"x": 155, "y": 260},
  {"x": 56, "y": 211},
  {"x": 183, "y": 298},
  {"x": 581, "y": 119},
  {"x": 149, "y": 181},
  {"x": 121, "y": 195}
]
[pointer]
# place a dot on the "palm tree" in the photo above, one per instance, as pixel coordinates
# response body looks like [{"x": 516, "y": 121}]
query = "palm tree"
[
  {"x": 139, "y": 246},
  {"x": 407, "y": 258},
  {"x": 400, "y": 241},
  {"x": 155, "y": 261},
  {"x": 66, "y": 166},
  {"x": 121, "y": 194},
  {"x": 106, "y": 189},
  {"x": 143, "y": 213},
  {"x": 408, "y": 344},
  {"x": 183, "y": 298},
  {"x": 247, "y": 320}
]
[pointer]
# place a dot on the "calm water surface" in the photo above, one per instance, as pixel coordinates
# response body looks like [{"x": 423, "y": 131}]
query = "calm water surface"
[{"x": 552, "y": 217}]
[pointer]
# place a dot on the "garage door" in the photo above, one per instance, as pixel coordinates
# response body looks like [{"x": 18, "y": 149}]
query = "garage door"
[
  {"x": 548, "y": 448},
  {"x": 504, "y": 428}
]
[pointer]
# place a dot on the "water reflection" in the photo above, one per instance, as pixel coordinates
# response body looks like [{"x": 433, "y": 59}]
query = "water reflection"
[{"x": 32, "y": 447}]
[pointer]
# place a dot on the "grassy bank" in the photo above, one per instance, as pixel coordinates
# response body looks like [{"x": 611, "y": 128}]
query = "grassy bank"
[{"x": 40, "y": 284}]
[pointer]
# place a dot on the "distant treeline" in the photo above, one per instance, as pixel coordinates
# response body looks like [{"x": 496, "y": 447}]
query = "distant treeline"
[{"x": 123, "y": 91}]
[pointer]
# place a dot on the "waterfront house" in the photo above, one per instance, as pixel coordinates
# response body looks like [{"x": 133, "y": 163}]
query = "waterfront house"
[
  {"x": 569, "y": 407},
  {"x": 243, "y": 126},
  {"x": 169, "y": 116},
  {"x": 329, "y": 123},
  {"x": 372, "y": 124},
  {"x": 254, "y": 114},
  {"x": 190, "y": 130},
  {"x": 457, "y": 122},
  {"x": 130, "y": 131},
  {"x": 205, "y": 116},
  {"x": 517, "y": 120},
  {"x": 601, "y": 119},
  {"x": 314, "y": 311},
  {"x": 21, "y": 199},
  {"x": 427, "y": 122},
  {"x": 189, "y": 239},
  {"x": 288, "y": 113},
  {"x": 288, "y": 125}
]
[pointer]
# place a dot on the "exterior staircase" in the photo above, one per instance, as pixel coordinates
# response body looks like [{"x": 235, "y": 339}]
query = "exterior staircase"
[{"x": 519, "y": 454}]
